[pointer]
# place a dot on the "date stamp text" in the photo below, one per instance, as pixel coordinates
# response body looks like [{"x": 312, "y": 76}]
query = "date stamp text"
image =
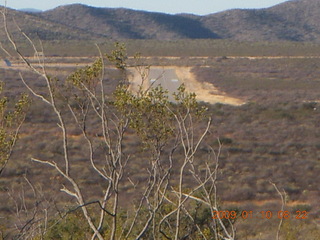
[{"x": 260, "y": 215}]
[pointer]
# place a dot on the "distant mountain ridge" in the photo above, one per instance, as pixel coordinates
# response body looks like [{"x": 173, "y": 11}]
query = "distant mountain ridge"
[
  {"x": 126, "y": 23},
  {"x": 296, "y": 20}
]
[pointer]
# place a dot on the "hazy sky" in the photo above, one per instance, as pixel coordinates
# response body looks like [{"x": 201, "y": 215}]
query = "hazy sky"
[{"x": 199, "y": 7}]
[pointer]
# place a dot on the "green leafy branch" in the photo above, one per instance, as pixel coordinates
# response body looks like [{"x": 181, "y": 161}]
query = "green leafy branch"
[
  {"x": 85, "y": 77},
  {"x": 10, "y": 123}
]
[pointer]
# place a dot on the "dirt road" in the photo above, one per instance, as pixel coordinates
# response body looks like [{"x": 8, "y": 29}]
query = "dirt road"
[{"x": 171, "y": 78}]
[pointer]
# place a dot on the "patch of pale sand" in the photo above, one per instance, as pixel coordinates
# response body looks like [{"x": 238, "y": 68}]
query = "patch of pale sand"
[
  {"x": 137, "y": 78},
  {"x": 205, "y": 92},
  {"x": 140, "y": 76}
]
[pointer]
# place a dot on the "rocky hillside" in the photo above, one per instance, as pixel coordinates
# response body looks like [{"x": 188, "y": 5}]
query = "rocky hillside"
[{"x": 293, "y": 20}]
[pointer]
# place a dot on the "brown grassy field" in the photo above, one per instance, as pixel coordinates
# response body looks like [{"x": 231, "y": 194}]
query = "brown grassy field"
[{"x": 266, "y": 116}]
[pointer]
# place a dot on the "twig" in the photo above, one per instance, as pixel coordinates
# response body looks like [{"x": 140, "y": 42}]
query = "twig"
[{"x": 283, "y": 203}]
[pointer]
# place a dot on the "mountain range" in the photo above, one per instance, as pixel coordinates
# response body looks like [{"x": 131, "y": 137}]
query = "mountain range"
[{"x": 296, "y": 20}]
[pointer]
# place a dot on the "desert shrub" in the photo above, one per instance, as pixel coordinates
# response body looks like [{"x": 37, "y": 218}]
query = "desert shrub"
[
  {"x": 69, "y": 227},
  {"x": 301, "y": 207}
]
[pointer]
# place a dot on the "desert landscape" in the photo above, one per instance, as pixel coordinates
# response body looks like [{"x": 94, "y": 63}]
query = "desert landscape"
[{"x": 160, "y": 135}]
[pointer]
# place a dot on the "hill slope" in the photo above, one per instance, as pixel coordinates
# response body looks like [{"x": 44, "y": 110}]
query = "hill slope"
[
  {"x": 36, "y": 26},
  {"x": 125, "y": 23},
  {"x": 293, "y": 20}
]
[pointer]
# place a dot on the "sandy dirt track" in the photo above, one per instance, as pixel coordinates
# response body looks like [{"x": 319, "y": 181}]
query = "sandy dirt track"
[{"x": 205, "y": 92}]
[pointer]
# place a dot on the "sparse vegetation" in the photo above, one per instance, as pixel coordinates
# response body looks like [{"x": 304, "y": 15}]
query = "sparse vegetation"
[
  {"x": 260, "y": 140},
  {"x": 155, "y": 173}
]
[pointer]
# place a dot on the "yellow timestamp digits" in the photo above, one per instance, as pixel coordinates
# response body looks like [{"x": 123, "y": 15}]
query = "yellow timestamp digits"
[{"x": 225, "y": 214}]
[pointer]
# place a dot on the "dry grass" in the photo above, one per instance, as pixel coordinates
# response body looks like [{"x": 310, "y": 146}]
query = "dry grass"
[{"x": 275, "y": 137}]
